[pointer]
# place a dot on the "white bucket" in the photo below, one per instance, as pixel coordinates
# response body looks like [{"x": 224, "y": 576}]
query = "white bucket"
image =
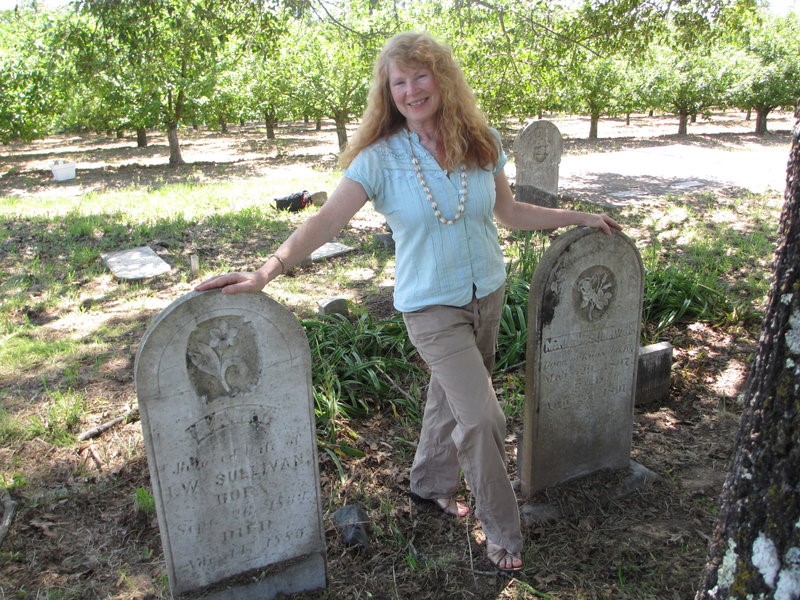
[{"x": 62, "y": 171}]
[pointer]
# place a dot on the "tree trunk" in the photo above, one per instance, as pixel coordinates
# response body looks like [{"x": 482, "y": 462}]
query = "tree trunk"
[
  {"x": 749, "y": 114},
  {"x": 627, "y": 118},
  {"x": 755, "y": 548},
  {"x": 593, "y": 127},
  {"x": 683, "y": 122},
  {"x": 761, "y": 120},
  {"x": 141, "y": 137},
  {"x": 175, "y": 157},
  {"x": 341, "y": 130},
  {"x": 269, "y": 121},
  {"x": 318, "y": 126},
  {"x": 223, "y": 125}
]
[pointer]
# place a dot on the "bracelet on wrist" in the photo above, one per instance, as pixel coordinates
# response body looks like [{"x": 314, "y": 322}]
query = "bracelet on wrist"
[{"x": 280, "y": 260}]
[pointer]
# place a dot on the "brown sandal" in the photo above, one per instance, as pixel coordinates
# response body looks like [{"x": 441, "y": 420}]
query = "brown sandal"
[{"x": 503, "y": 560}]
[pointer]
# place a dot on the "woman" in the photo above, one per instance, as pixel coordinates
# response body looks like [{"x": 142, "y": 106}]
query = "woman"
[{"x": 426, "y": 158}]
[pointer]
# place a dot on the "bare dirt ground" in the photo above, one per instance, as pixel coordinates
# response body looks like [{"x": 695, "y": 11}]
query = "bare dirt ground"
[{"x": 76, "y": 534}]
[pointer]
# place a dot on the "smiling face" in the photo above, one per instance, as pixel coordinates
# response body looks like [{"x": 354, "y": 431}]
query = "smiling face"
[{"x": 416, "y": 94}]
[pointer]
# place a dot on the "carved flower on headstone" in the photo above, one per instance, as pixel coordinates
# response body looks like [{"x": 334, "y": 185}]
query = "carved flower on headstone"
[
  {"x": 219, "y": 357},
  {"x": 595, "y": 289}
]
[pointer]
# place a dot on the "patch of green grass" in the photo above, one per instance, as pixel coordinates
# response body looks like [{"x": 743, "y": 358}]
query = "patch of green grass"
[
  {"x": 64, "y": 415},
  {"x": 24, "y": 352},
  {"x": 10, "y": 427},
  {"x": 144, "y": 502}
]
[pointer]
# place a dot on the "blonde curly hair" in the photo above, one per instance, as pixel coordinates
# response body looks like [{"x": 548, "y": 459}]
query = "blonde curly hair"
[{"x": 462, "y": 127}]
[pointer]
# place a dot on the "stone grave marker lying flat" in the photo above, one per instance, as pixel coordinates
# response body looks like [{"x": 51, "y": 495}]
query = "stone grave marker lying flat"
[
  {"x": 584, "y": 318},
  {"x": 135, "y": 263},
  {"x": 224, "y": 389}
]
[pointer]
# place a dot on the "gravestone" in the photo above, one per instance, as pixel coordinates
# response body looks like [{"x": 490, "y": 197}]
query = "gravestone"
[
  {"x": 584, "y": 316},
  {"x": 135, "y": 263},
  {"x": 224, "y": 389},
  {"x": 537, "y": 155},
  {"x": 653, "y": 375}
]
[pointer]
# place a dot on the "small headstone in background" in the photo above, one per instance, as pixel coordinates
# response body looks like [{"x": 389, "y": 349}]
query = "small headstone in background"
[
  {"x": 653, "y": 375},
  {"x": 318, "y": 198},
  {"x": 584, "y": 318},
  {"x": 224, "y": 389},
  {"x": 537, "y": 156},
  {"x": 385, "y": 239},
  {"x": 334, "y": 306},
  {"x": 136, "y": 263}
]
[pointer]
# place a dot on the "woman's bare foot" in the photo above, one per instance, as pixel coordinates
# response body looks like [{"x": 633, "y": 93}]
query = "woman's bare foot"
[
  {"x": 502, "y": 559},
  {"x": 451, "y": 506}
]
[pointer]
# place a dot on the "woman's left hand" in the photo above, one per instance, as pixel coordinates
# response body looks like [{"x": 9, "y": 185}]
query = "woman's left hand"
[{"x": 602, "y": 222}]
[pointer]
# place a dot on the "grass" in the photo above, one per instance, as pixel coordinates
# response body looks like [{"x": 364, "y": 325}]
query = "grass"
[{"x": 361, "y": 363}]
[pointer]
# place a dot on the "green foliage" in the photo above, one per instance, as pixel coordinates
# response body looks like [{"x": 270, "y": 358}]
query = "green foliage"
[
  {"x": 29, "y": 84},
  {"x": 525, "y": 253},
  {"x": 674, "y": 294},
  {"x": 688, "y": 82},
  {"x": 133, "y": 65},
  {"x": 17, "y": 481},
  {"x": 10, "y": 428},
  {"x": 767, "y": 66},
  {"x": 144, "y": 502},
  {"x": 358, "y": 364}
]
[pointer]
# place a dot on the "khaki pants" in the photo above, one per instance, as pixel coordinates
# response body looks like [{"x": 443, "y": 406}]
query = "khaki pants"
[{"x": 463, "y": 424}]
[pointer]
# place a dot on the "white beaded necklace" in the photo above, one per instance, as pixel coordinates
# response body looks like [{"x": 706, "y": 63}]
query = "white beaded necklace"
[{"x": 462, "y": 193}]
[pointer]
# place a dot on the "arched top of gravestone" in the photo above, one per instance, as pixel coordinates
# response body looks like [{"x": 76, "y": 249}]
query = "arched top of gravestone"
[
  {"x": 229, "y": 338},
  {"x": 605, "y": 274},
  {"x": 538, "y": 144}
]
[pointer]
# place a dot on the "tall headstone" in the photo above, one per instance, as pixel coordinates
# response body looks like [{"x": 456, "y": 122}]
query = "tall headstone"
[
  {"x": 224, "y": 389},
  {"x": 584, "y": 319},
  {"x": 537, "y": 155}
]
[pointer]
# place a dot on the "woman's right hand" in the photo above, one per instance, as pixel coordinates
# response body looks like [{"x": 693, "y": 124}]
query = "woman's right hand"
[{"x": 235, "y": 283}]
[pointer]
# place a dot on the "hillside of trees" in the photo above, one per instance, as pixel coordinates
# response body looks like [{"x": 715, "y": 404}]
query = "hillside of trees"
[{"x": 128, "y": 65}]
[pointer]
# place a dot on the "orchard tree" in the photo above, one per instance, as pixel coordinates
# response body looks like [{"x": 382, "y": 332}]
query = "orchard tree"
[
  {"x": 689, "y": 81},
  {"x": 335, "y": 67},
  {"x": 107, "y": 91},
  {"x": 269, "y": 84},
  {"x": 178, "y": 44},
  {"x": 595, "y": 90},
  {"x": 768, "y": 71},
  {"x": 755, "y": 548},
  {"x": 30, "y": 98},
  {"x": 520, "y": 75}
]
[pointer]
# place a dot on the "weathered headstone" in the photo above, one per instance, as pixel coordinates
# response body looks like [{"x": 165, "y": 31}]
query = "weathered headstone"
[
  {"x": 537, "y": 155},
  {"x": 584, "y": 318},
  {"x": 653, "y": 375},
  {"x": 224, "y": 389}
]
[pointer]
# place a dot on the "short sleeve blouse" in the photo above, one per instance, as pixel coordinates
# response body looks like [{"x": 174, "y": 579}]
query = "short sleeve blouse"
[{"x": 435, "y": 263}]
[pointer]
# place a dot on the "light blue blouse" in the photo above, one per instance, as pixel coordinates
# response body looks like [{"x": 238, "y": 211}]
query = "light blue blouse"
[{"x": 435, "y": 263}]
